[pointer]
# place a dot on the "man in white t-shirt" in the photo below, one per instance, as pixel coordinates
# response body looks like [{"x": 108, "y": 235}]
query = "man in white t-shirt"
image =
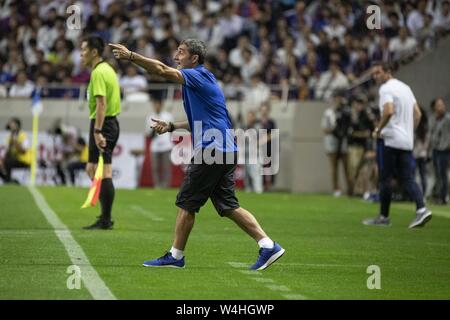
[
  {"x": 161, "y": 147},
  {"x": 400, "y": 114}
]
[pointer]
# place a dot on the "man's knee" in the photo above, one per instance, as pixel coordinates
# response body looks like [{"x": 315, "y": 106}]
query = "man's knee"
[{"x": 228, "y": 212}]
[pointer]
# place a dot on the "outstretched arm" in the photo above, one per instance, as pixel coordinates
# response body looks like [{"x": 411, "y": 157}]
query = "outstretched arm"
[
  {"x": 161, "y": 126},
  {"x": 151, "y": 65}
]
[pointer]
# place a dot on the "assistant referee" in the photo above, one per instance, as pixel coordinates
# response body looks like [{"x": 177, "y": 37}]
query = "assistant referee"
[{"x": 103, "y": 95}]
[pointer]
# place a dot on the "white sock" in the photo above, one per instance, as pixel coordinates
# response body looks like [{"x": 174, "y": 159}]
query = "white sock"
[
  {"x": 421, "y": 210},
  {"x": 266, "y": 243},
  {"x": 177, "y": 254}
]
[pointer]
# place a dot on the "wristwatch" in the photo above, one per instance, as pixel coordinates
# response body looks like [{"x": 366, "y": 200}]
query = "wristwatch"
[
  {"x": 97, "y": 131},
  {"x": 171, "y": 127}
]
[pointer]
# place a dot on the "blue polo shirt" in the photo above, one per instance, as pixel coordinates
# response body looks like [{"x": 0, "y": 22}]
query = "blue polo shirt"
[{"x": 206, "y": 111}]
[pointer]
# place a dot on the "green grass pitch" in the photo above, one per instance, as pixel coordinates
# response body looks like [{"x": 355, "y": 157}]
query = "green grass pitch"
[{"x": 328, "y": 250}]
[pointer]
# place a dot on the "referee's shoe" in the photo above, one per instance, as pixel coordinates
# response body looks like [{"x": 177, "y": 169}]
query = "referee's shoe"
[{"x": 100, "y": 224}]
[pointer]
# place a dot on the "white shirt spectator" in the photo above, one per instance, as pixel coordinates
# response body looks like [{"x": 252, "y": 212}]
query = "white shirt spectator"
[
  {"x": 337, "y": 31},
  {"x": 441, "y": 20},
  {"x": 414, "y": 22},
  {"x": 160, "y": 142},
  {"x": 231, "y": 26},
  {"x": 132, "y": 84},
  {"x": 399, "y": 132},
  {"x": 329, "y": 82},
  {"x": 256, "y": 95},
  {"x": 212, "y": 35},
  {"x": 21, "y": 90},
  {"x": 249, "y": 68},
  {"x": 402, "y": 45}
]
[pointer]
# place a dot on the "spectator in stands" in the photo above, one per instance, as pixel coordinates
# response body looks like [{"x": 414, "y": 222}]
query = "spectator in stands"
[
  {"x": 335, "y": 29},
  {"x": 236, "y": 55},
  {"x": 392, "y": 29},
  {"x": 440, "y": 146},
  {"x": 161, "y": 147},
  {"x": 415, "y": 19},
  {"x": 133, "y": 84},
  {"x": 22, "y": 88},
  {"x": 441, "y": 21},
  {"x": 250, "y": 66},
  {"x": 234, "y": 88},
  {"x": 330, "y": 81},
  {"x": 18, "y": 152},
  {"x": 211, "y": 33},
  {"x": 403, "y": 46},
  {"x": 257, "y": 94}
]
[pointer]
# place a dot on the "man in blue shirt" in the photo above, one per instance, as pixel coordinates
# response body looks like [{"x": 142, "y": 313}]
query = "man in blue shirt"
[{"x": 210, "y": 123}]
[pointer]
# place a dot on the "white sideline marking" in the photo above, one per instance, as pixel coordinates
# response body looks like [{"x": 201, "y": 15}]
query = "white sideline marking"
[
  {"x": 263, "y": 280},
  {"x": 94, "y": 284},
  {"x": 146, "y": 213},
  {"x": 323, "y": 265},
  {"x": 269, "y": 283},
  {"x": 239, "y": 265},
  {"x": 250, "y": 272},
  {"x": 276, "y": 287},
  {"x": 295, "y": 296}
]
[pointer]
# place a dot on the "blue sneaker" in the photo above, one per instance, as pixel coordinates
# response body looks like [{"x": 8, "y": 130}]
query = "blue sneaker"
[
  {"x": 165, "y": 261},
  {"x": 268, "y": 256}
]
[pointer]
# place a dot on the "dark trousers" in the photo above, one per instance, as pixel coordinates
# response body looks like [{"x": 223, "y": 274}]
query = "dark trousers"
[
  {"x": 422, "y": 167},
  {"x": 9, "y": 164},
  {"x": 73, "y": 167},
  {"x": 441, "y": 162},
  {"x": 402, "y": 163}
]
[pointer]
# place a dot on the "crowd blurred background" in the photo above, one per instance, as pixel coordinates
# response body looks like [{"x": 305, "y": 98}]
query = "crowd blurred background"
[
  {"x": 258, "y": 50},
  {"x": 314, "y": 47}
]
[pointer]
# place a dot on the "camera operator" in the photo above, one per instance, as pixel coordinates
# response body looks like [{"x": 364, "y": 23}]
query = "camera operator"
[
  {"x": 18, "y": 153},
  {"x": 336, "y": 123}
]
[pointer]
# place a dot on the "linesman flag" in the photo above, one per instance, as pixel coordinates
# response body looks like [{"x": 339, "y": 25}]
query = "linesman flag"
[{"x": 94, "y": 191}]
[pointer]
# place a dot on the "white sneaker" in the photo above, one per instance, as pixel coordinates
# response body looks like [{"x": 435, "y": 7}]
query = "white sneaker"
[
  {"x": 337, "y": 193},
  {"x": 421, "y": 219}
]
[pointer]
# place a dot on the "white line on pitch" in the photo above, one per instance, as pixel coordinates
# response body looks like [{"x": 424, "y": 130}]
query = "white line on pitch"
[
  {"x": 146, "y": 213},
  {"x": 238, "y": 265},
  {"x": 263, "y": 280},
  {"x": 295, "y": 296},
  {"x": 94, "y": 284},
  {"x": 276, "y": 287},
  {"x": 269, "y": 283}
]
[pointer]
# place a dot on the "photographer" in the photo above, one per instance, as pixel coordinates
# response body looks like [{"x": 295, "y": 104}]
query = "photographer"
[
  {"x": 18, "y": 153},
  {"x": 336, "y": 123}
]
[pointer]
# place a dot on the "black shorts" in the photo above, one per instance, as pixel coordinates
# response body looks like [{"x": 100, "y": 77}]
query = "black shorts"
[
  {"x": 111, "y": 132},
  {"x": 204, "y": 181}
]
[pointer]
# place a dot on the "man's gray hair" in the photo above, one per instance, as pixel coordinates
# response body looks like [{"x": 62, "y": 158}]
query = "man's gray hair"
[{"x": 197, "y": 47}]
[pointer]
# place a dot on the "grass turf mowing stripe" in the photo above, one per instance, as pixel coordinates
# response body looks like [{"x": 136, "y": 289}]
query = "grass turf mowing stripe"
[{"x": 94, "y": 284}]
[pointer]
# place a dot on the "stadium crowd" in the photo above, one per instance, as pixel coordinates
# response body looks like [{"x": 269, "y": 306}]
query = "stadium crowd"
[
  {"x": 255, "y": 48},
  {"x": 315, "y": 47}
]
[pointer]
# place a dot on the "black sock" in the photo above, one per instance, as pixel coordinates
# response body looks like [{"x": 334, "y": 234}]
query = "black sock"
[{"x": 107, "y": 198}]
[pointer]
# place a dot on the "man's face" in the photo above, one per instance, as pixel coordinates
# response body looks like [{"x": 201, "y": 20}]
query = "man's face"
[
  {"x": 439, "y": 107},
  {"x": 379, "y": 75},
  {"x": 13, "y": 127},
  {"x": 184, "y": 59},
  {"x": 86, "y": 54}
]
